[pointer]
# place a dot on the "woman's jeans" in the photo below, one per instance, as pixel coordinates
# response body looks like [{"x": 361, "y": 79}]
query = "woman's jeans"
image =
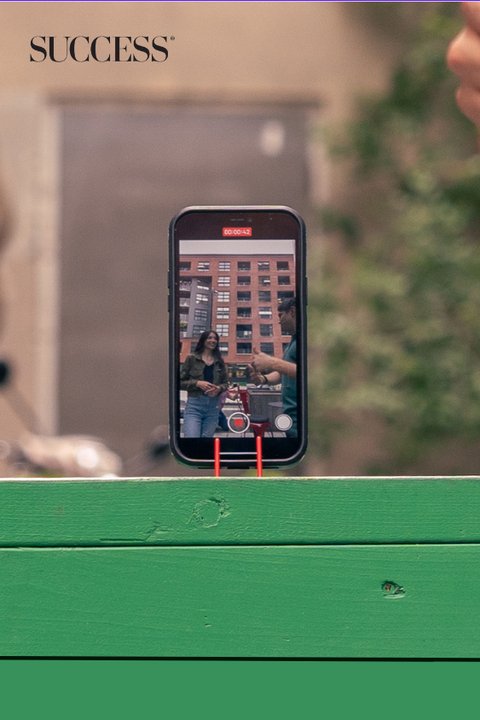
[{"x": 200, "y": 418}]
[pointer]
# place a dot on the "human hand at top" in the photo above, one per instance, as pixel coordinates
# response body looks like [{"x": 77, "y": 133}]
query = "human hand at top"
[{"x": 463, "y": 58}]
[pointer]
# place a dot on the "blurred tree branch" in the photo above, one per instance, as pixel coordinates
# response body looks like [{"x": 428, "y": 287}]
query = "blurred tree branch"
[{"x": 404, "y": 342}]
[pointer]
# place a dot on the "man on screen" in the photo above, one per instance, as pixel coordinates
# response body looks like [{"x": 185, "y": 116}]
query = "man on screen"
[{"x": 268, "y": 370}]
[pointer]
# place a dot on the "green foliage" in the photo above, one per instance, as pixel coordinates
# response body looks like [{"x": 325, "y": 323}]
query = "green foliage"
[{"x": 403, "y": 341}]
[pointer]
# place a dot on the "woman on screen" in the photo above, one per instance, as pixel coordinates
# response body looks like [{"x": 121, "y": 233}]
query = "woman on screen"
[{"x": 204, "y": 377}]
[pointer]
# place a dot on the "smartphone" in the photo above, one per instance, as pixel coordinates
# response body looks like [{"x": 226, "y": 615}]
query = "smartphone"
[{"x": 237, "y": 304}]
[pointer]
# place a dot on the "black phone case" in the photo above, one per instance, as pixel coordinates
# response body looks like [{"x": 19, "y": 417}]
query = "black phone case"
[{"x": 301, "y": 286}]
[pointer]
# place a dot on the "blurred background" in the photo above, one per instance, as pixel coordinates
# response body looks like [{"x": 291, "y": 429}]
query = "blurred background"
[{"x": 345, "y": 111}]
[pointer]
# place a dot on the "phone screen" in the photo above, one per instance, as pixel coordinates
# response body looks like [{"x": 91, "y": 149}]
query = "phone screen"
[{"x": 238, "y": 335}]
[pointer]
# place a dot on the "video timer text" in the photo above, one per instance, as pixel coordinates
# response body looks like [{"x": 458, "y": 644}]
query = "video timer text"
[{"x": 237, "y": 232}]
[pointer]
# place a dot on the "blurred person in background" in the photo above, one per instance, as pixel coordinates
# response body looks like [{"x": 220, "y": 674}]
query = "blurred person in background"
[{"x": 5, "y": 226}]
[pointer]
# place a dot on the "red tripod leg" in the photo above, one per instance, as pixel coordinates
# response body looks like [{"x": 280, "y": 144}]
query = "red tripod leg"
[
  {"x": 259, "y": 457},
  {"x": 216, "y": 456}
]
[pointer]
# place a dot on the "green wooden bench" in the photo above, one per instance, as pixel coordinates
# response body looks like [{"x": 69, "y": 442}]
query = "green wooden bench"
[{"x": 303, "y": 567}]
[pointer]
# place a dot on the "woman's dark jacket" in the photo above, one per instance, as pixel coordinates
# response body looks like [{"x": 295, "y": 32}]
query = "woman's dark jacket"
[{"x": 192, "y": 371}]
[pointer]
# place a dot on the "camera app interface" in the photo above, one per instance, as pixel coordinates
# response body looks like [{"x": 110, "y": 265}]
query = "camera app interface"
[{"x": 237, "y": 340}]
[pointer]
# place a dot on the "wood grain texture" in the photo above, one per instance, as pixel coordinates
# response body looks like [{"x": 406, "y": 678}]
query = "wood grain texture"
[
  {"x": 240, "y": 567},
  {"x": 205, "y": 511},
  {"x": 296, "y": 601}
]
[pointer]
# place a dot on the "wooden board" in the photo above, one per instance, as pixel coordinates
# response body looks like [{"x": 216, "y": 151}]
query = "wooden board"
[
  {"x": 245, "y": 510},
  {"x": 240, "y": 567},
  {"x": 309, "y": 601}
]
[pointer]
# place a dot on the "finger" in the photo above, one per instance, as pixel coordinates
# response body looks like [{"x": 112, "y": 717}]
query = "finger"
[
  {"x": 471, "y": 13},
  {"x": 468, "y": 100},
  {"x": 463, "y": 56},
  {"x": 255, "y": 351}
]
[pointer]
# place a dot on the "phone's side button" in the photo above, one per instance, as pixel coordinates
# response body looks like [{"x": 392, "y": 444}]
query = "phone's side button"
[{"x": 306, "y": 291}]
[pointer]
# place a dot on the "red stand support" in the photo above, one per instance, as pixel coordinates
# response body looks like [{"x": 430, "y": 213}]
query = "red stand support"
[
  {"x": 259, "y": 456},
  {"x": 216, "y": 456}
]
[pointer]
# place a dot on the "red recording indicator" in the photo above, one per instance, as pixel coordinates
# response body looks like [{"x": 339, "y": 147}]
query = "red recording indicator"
[{"x": 237, "y": 232}]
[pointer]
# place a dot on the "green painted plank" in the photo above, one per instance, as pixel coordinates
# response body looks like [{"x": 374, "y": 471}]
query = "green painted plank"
[
  {"x": 206, "y": 511},
  {"x": 295, "y": 601}
]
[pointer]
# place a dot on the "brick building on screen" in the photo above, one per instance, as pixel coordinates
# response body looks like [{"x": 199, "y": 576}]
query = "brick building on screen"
[{"x": 236, "y": 295}]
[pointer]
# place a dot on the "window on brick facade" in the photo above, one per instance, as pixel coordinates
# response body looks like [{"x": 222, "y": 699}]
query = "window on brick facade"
[
  {"x": 244, "y": 331},
  {"x": 284, "y": 295},
  {"x": 266, "y": 330}
]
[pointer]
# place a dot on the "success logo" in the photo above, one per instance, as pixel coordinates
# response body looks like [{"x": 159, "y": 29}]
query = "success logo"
[{"x": 101, "y": 49}]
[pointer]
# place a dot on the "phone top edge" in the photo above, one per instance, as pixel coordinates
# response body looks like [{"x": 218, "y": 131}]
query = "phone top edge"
[{"x": 234, "y": 208}]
